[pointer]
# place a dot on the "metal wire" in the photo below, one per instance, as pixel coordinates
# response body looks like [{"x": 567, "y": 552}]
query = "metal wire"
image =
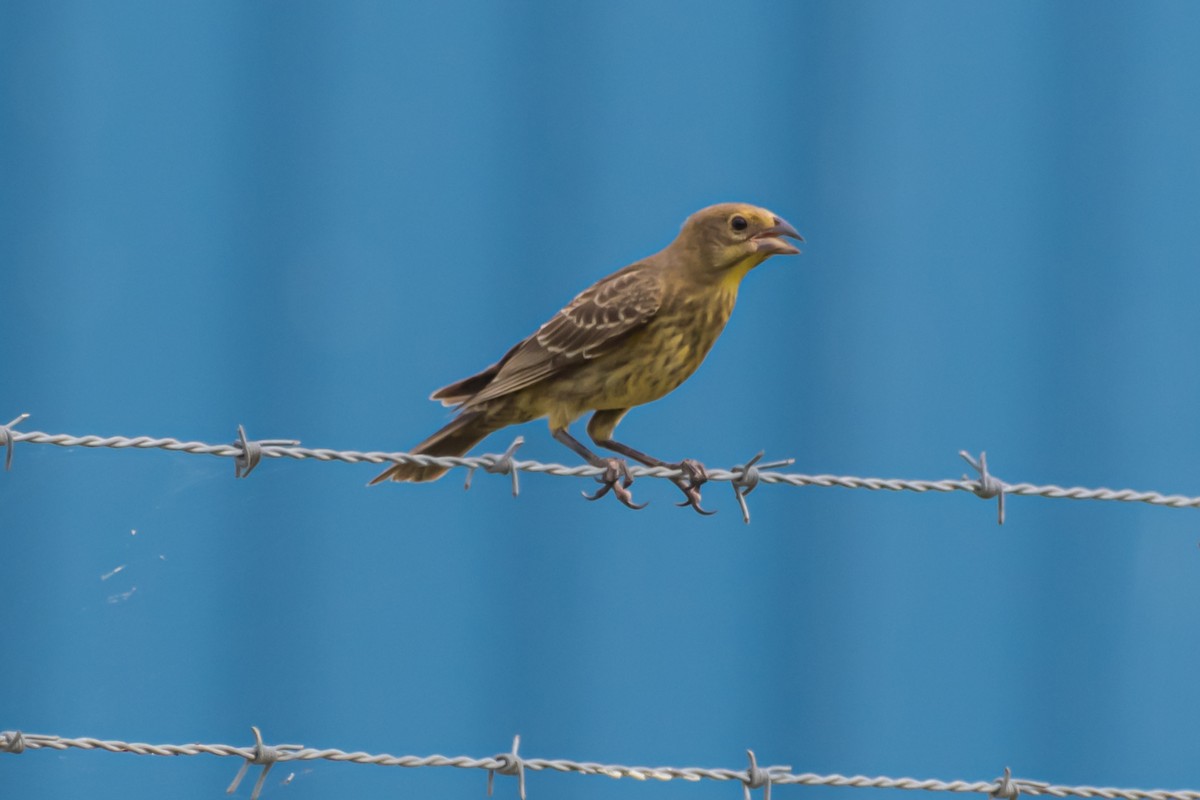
[
  {"x": 1005, "y": 787},
  {"x": 744, "y": 478}
]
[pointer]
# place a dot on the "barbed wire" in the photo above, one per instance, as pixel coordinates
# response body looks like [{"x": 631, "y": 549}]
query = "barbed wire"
[
  {"x": 744, "y": 478},
  {"x": 1006, "y": 787}
]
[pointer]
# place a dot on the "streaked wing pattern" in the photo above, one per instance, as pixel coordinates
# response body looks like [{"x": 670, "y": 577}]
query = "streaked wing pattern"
[{"x": 591, "y": 325}]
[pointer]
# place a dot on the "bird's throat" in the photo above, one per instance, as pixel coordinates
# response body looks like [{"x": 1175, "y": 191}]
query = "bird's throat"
[{"x": 732, "y": 277}]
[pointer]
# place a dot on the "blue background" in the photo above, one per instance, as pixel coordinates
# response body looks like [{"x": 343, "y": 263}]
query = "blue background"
[{"x": 305, "y": 217}]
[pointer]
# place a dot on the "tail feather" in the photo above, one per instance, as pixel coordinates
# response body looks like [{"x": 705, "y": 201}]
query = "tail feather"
[
  {"x": 464, "y": 432},
  {"x": 461, "y": 391}
]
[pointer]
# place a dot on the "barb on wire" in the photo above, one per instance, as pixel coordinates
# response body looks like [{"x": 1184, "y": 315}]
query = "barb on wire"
[
  {"x": 1004, "y": 788},
  {"x": 263, "y": 755},
  {"x": 988, "y": 486},
  {"x": 12, "y": 742},
  {"x": 7, "y": 441},
  {"x": 501, "y": 465},
  {"x": 1008, "y": 788},
  {"x": 251, "y": 452},
  {"x": 509, "y": 763},
  {"x": 744, "y": 478},
  {"x": 757, "y": 777}
]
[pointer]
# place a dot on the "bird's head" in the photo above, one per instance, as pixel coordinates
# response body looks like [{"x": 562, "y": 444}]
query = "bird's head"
[{"x": 736, "y": 236}]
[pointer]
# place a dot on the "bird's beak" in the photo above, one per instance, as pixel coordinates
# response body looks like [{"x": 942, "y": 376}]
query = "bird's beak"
[{"x": 770, "y": 240}]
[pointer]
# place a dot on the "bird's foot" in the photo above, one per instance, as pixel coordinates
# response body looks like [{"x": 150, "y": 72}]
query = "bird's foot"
[
  {"x": 616, "y": 479},
  {"x": 694, "y": 476}
]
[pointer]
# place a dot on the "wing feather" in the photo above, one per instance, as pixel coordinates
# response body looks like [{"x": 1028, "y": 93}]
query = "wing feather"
[{"x": 592, "y": 324}]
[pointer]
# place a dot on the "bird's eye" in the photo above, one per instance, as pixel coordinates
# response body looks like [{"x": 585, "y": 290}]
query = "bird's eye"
[{"x": 738, "y": 222}]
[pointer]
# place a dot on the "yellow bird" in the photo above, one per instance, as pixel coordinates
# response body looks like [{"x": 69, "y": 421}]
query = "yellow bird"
[{"x": 626, "y": 340}]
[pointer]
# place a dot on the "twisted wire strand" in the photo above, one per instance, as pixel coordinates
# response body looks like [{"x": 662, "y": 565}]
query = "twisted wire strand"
[
  {"x": 1003, "y": 787},
  {"x": 505, "y": 463}
]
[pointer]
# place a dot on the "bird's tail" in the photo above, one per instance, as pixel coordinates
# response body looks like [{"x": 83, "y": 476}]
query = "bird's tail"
[{"x": 464, "y": 432}]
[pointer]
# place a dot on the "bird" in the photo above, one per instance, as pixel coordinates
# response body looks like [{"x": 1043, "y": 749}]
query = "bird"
[{"x": 629, "y": 339}]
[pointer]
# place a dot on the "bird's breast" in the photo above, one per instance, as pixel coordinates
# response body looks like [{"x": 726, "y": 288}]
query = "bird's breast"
[{"x": 659, "y": 357}]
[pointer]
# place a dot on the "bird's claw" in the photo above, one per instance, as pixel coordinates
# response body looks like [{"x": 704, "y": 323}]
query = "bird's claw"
[
  {"x": 694, "y": 476},
  {"x": 616, "y": 479}
]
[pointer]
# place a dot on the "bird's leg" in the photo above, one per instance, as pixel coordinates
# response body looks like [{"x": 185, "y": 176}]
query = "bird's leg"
[
  {"x": 600, "y": 428},
  {"x": 616, "y": 477}
]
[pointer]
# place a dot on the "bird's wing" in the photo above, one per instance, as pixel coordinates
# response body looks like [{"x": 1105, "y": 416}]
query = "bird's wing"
[{"x": 593, "y": 324}]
